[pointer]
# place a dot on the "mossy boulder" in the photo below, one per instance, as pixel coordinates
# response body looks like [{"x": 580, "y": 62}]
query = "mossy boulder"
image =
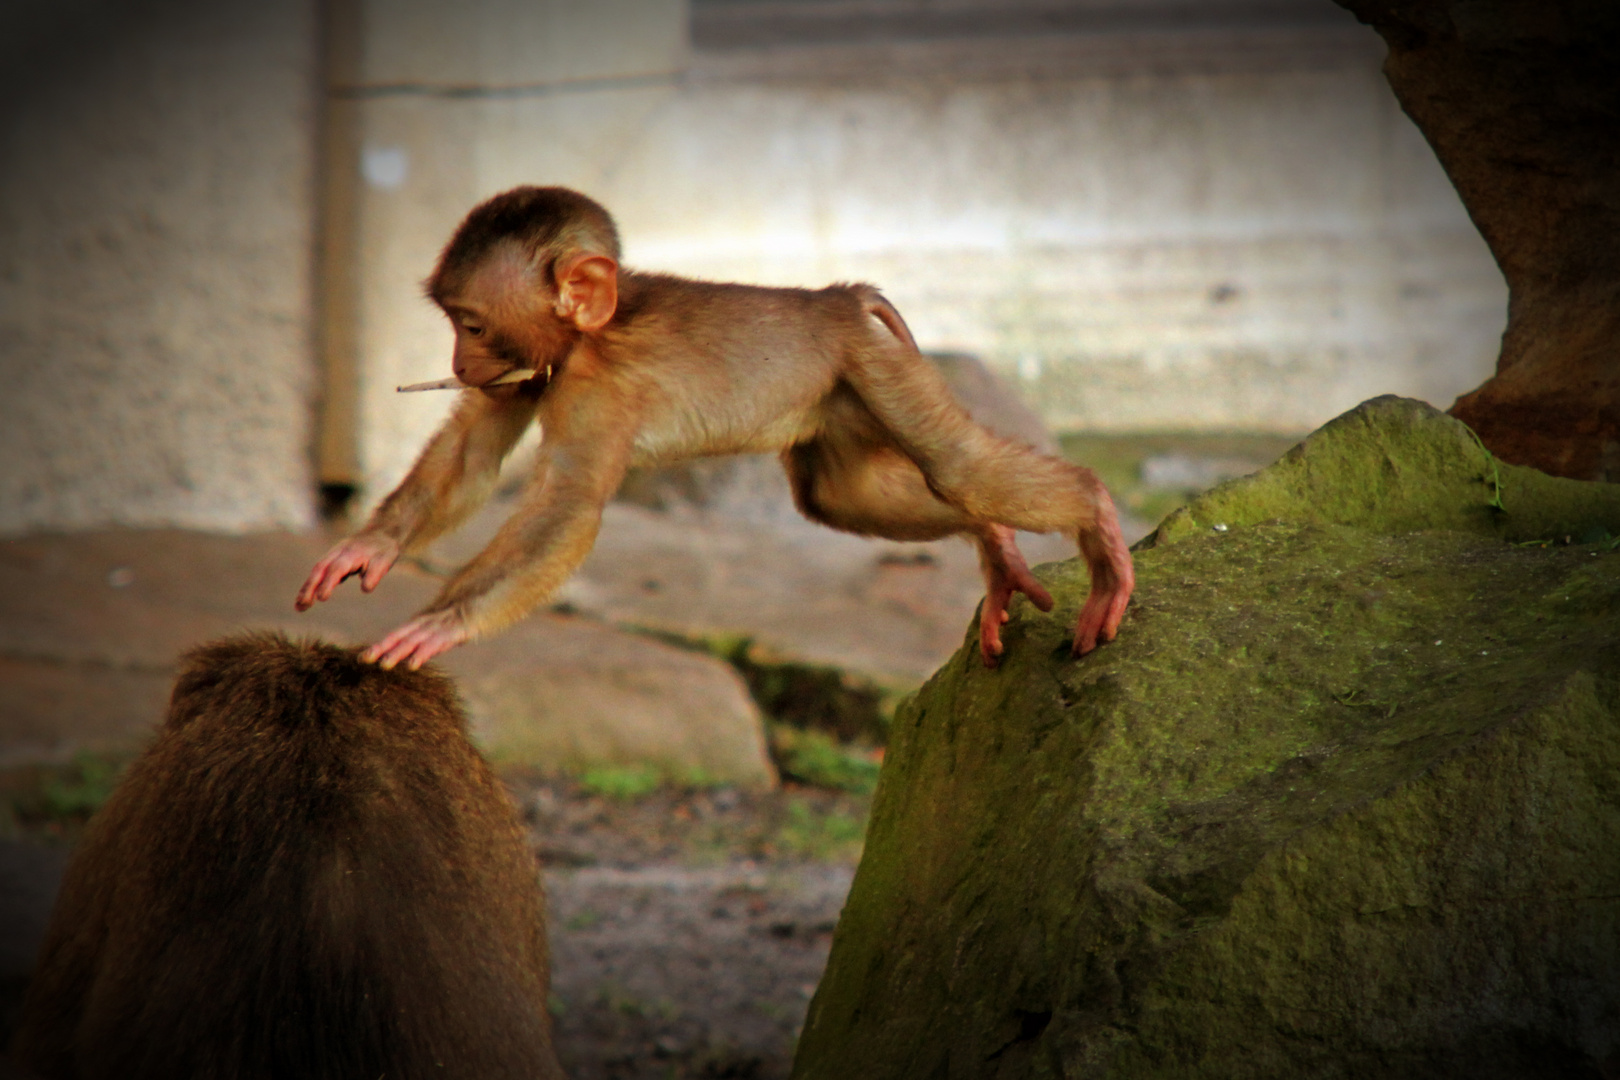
[{"x": 1343, "y": 799}]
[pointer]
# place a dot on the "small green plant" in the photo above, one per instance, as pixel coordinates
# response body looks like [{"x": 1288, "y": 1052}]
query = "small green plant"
[
  {"x": 81, "y": 789},
  {"x": 623, "y": 783},
  {"x": 815, "y": 758},
  {"x": 700, "y": 779},
  {"x": 808, "y": 834},
  {"x": 616, "y": 998},
  {"x": 776, "y": 1011},
  {"x": 583, "y": 919},
  {"x": 1495, "y": 479}
]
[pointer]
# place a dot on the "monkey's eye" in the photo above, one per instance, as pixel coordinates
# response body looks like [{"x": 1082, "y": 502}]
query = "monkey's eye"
[{"x": 473, "y": 331}]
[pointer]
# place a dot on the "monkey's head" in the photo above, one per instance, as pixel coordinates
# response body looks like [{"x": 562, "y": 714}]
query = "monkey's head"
[{"x": 523, "y": 276}]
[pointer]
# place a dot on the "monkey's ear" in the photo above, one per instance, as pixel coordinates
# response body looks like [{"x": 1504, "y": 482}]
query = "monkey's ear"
[{"x": 588, "y": 290}]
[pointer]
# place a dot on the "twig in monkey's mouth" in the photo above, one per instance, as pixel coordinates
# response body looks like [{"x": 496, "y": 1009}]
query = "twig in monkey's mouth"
[{"x": 516, "y": 375}]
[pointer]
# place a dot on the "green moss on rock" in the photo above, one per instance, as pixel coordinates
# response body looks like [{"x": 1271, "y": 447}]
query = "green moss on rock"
[
  {"x": 1396, "y": 465},
  {"x": 1343, "y": 800}
]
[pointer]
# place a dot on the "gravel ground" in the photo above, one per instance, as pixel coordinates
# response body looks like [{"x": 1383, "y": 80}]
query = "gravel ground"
[
  {"x": 666, "y": 970},
  {"x": 688, "y": 929}
]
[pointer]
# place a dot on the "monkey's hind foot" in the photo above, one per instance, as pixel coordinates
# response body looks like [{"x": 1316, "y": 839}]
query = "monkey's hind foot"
[{"x": 1005, "y": 573}]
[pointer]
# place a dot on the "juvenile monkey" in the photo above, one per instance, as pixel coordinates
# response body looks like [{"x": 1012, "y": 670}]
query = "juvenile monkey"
[
  {"x": 634, "y": 368},
  {"x": 311, "y": 873}
]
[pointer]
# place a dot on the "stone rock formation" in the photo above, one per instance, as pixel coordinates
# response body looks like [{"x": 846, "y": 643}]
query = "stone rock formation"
[
  {"x": 1343, "y": 799},
  {"x": 1521, "y": 102}
]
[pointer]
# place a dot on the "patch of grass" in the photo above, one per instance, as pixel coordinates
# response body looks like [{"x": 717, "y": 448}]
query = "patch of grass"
[
  {"x": 622, "y": 783},
  {"x": 807, "y": 831},
  {"x": 82, "y": 789},
  {"x": 583, "y": 919},
  {"x": 816, "y": 758},
  {"x": 57, "y": 800}
]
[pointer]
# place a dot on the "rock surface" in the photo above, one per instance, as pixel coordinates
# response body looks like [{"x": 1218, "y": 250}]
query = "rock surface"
[
  {"x": 1343, "y": 799},
  {"x": 91, "y": 625},
  {"x": 1520, "y": 101}
]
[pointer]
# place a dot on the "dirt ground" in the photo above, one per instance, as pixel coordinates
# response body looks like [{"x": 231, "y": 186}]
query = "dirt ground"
[{"x": 688, "y": 929}]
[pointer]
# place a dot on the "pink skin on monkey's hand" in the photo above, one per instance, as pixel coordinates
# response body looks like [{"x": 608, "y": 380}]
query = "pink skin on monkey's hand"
[
  {"x": 418, "y": 641},
  {"x": 368, "y": 556}
]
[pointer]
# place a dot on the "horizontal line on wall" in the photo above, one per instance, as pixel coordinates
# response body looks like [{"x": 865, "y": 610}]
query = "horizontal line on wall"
[
  {"x": 1192, "y": 51},
  {"x": 482, "y": 91},
  {"x": 754, "y": 23}
]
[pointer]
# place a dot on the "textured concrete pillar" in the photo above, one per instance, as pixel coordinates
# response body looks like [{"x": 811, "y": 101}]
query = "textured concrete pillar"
[
  {"x": 156, "y": 216},
  {"x": 432, "y": 108}
]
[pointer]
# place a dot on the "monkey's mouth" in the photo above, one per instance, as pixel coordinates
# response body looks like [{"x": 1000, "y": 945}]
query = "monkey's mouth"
[{"x": 519, "y": 375}]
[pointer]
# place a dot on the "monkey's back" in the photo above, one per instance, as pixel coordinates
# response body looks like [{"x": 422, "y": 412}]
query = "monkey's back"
[{"x": 311, "y": 873}]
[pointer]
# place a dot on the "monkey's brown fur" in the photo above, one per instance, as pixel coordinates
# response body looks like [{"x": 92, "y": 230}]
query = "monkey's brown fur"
[
  {"x": 637, "y": 368},
  {"x": 311, "y": 873}
]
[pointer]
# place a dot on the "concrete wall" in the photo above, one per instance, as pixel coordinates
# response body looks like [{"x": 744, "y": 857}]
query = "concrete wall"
[
  {"x": 1143, "y": 224},
  {"x": 1148, "y": 231},
  {"x": 1180, "y": 251},
  {"x": 156, "y": 231}
]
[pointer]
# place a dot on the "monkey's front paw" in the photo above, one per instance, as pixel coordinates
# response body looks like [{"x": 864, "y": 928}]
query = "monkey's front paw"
[
  {"x": 369, "y": 556},
  {"x": 418, "y": 641}
]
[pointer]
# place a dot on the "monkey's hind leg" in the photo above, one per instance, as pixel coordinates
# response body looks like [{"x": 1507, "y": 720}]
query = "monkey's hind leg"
[
  {"x": 878, "y": 491},
  {"x": 998, "y": 482}
]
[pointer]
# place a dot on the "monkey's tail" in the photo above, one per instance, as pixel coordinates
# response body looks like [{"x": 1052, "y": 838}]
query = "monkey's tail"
[{"x": 878, "y": 306}]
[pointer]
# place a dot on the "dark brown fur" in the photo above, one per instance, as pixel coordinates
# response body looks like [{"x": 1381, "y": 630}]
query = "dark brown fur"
[{"x": 310, "y": 874}]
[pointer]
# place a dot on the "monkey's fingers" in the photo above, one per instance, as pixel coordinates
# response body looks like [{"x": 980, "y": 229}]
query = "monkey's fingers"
[
  {"x": 334, "y": 566},
  {"x": 418, "y": 641},
  {"x": 371, "y": 574},
  {"x": 310, "y": 591},
  {"x": 367, "y": 557},
  {"x": 990, "y": 647},
  {"x": 1035, "y": 591},
  {"x": 1100, "y": 618},
  {"x": 1006, "y": 568},
  {"x": 992, "y": 615}
]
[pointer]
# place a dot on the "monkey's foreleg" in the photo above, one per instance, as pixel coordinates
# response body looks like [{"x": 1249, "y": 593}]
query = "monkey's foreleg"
[
  {"x": 577, "y": 470},
  {"x": 453, "y": 477}
]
